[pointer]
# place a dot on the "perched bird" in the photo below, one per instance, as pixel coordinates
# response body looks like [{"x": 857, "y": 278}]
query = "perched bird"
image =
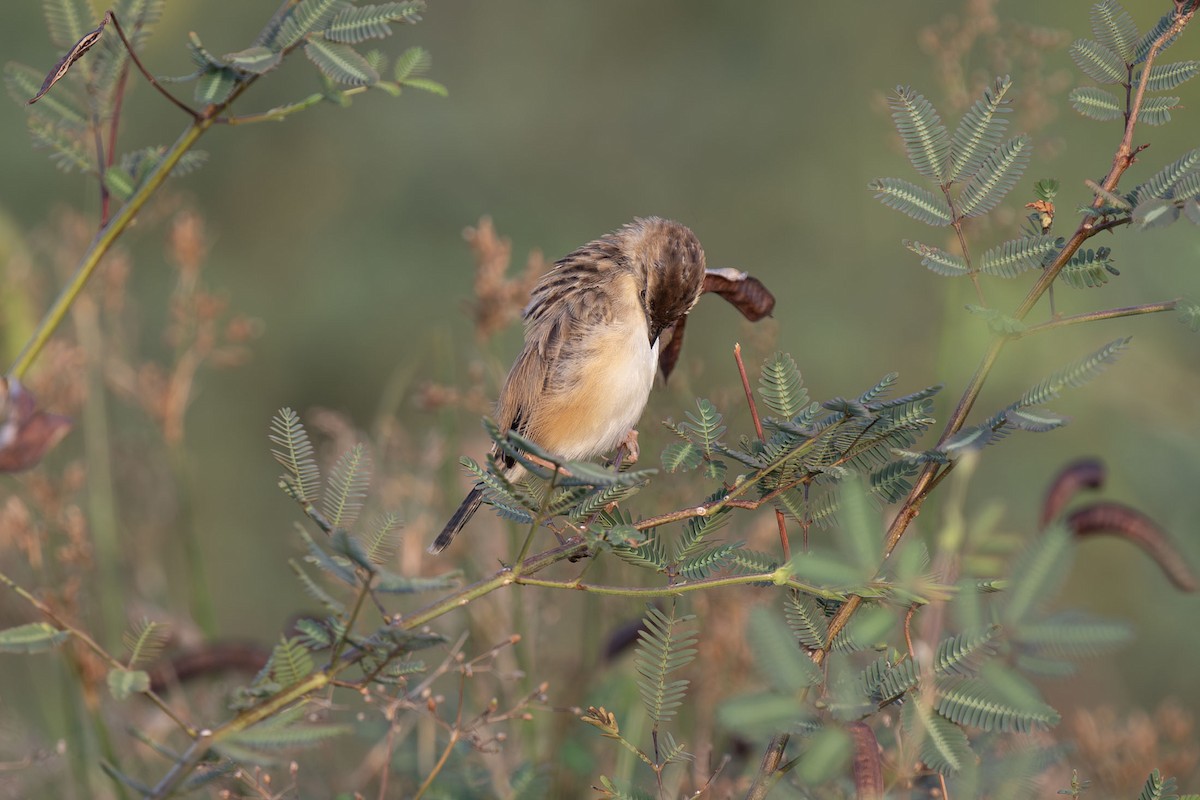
[{"x": 592, "y": 331}]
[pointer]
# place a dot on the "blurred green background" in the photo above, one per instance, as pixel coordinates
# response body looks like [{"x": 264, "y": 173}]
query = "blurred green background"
[{"x": 758, "y": 125}]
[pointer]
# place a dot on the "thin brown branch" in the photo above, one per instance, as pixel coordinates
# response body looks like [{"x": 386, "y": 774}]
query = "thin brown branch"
[
  {"x": 137, "y": 62},
  {"x": 114, "y": 125},
  {"x": 962, "y": 243},
  {"x": 758, "y": 429},
  {"x": 768, "y": 769}
]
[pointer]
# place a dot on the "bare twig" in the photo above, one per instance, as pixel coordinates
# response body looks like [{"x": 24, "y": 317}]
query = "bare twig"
[
  {"x": 758, "y": 429},
  {"x": 137, "y": 62}
]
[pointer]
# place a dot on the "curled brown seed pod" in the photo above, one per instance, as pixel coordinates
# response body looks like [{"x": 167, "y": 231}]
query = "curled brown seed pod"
[
  {"x": 868, "y": 771},
  {"x": 1083, "y": 473},
  {"x": 1134, "y": 526}
]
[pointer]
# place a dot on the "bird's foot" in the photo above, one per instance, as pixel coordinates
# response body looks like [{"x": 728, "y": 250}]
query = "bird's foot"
[{"x": 628, "y": 451}]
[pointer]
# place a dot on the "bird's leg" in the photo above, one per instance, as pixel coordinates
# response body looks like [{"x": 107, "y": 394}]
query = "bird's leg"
[{"x": 627, "y": 451}]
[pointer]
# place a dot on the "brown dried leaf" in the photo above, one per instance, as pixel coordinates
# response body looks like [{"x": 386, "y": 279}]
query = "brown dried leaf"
[
  {"x": 74, "y": 54},
  {"x": 26, "y": 434},
  {"x": 746, "y": 293}
]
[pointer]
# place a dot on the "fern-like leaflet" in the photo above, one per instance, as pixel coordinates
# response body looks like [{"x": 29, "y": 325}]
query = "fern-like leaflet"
[{"x": 666, "y": 645}]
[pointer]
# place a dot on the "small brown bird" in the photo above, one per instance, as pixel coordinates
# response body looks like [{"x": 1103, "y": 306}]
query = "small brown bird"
[{"x": 592, "y": 331}]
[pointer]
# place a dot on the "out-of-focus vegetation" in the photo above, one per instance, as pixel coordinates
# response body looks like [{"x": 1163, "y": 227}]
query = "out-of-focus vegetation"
[{"x": 320, "y": 263}]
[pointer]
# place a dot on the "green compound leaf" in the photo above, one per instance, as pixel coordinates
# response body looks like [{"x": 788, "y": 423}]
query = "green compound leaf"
[
  {"x": 704, "y": 428},
  {"x": 1189, "y": 315},
  {"x": 921, "y": 129},
  {"x": 1151, "y": 36},
  {"x": 938, "y": 260},
  {"x": 1096, "y": 103},
  {"x": 34, "y": 637},
  {"x": 825, "y": 756},
  {"x": 347, "y": 487},
  {"x": 1157, "y": 110},
  {"x": 681, "y": 457},
  {"x": 763, "y": 713},
  {"x": 1157, "y": 787},
  {"x": 354, "y": 25},
  {"x": 215, "y": 86},
  {"x": 1165, "y": 77},
  {"x": 301, "y": 20},
  {"x": 294, "y": 451},
  {"x": 290, "y": 662},
  {"x": 666, "y": 644},
  {"x": 997, "y": 321},
  {"x": 125, "y": 682},
  {"x": 1072, "y": 634},
  {"x": 1088, "y": 269},
  {"x": 981, "y": 130},
  {"x": 1113, "y": 27},
  {"x": 68, "y": 152},
  {"x": 340, "y": 63},
  {"x": 1016, "y": 256},
  {"x": 962, "y": 654},
  {"x": 1074, "y": 375},
  {"x": 975, "y": 703},
  {"x": 427, "y": 85},
  {"x": 915, "y": 201},
  {"x": 779, "y": 659},
  {"x": 806, "y": 619},
  {"x": 1166, "y": 179},
  {"x": 999, "y": 172},
  {"x": 412, "y": 63},
  {"x": 944, "y": 745},
  {"x": 782, "y": 387},
  {"x": 1037, "y": 574},
  {"x": 1034, "y": 420},
  {"x": 1098, "y": 62},
  {"x": 257, "y": 60},
  {"x": 58, "y": 108},
  {"x": 145, "y": 642}
]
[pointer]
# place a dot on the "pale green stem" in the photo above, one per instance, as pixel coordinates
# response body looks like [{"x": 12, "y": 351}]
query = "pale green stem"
[
  {"x": 1093, "y": 316},
  {"x": 101, "y": 244}
]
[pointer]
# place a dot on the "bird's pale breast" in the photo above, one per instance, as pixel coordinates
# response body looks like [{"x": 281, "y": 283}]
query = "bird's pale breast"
[{"x": 606, "y": 384}]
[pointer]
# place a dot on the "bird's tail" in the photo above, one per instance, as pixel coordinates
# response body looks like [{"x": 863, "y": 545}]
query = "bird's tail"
[{"x": 470, "y": 505}]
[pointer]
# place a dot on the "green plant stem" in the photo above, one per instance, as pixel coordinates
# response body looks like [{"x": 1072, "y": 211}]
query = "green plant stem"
[
  {"x": 779, "y": 577},
  {"x": 183, "y": 767},
  {"x": 112, "y": 231},
  {"x": 101, "y": 245},
  {"x": 280, "y": 113},
  {"x": 340, "y": 647},
  {"x": 574, "y": 546},
  {"x": 1094, "y": 316}
]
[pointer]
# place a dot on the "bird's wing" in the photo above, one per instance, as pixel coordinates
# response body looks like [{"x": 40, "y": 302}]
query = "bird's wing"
[{"x": 567, "y": 302}]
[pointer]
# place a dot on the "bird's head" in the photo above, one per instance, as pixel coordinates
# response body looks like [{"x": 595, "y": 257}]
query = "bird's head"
[{"x": 669, "y": 265}]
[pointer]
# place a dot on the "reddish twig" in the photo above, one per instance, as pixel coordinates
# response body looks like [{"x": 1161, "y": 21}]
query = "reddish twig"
[
  {"x": 137, "y": 62},
  {"x": 758, "y": 429}
]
